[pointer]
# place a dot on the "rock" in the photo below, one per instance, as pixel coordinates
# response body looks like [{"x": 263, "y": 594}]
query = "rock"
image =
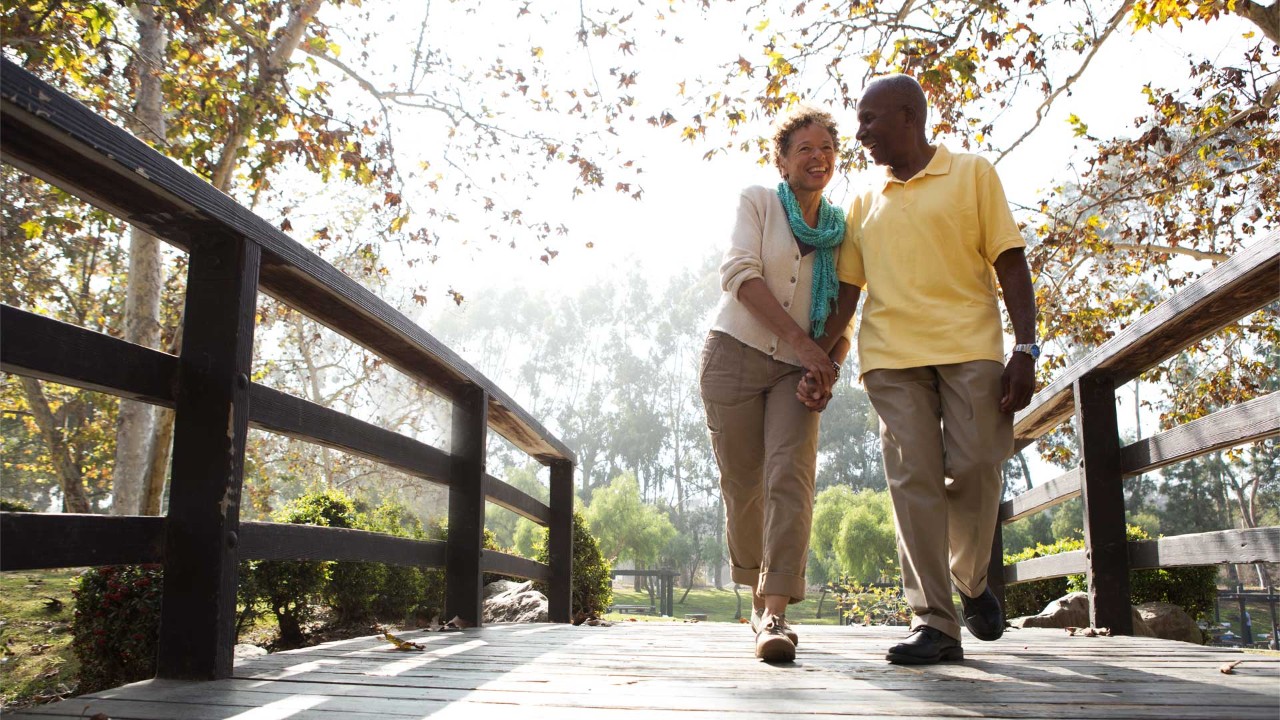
[
  {"x": 514, "y": 603},
  {"x": 1072, "y": 610},
  {"x": 1170, "y": 622},
  {"x": 245, "y": 650},
  {"x": 501, "y": 586}
]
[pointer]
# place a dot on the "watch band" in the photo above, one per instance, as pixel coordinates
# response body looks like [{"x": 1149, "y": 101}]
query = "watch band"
[{"x": 1031, "y": 349}]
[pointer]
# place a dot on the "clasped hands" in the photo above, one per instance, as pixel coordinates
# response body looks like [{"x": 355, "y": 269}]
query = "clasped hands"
[{"x": 811, "y": 392}]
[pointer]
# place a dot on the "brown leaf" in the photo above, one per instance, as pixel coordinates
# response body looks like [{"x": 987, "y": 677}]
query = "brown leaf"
[{"x": 1229, "y": 668}]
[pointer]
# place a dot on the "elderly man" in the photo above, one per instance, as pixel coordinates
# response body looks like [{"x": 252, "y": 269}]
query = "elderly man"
[{"x": 922, "y": 244}]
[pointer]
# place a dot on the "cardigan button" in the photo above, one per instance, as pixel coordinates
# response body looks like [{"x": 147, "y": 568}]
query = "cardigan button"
[
  {"x": 793, "y": 280},
  {"x": 786, "y": 304}
]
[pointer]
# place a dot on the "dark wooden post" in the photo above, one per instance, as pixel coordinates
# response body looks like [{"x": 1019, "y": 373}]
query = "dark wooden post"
[
  {"x": 465, "y": 553},
  {"x": 560, "y": 543},
  {"x": 1102, "y": 489},
  {"x": 197, "y": 616}
]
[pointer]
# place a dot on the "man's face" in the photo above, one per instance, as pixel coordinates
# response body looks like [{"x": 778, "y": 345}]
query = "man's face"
[{"x": 882, "y": 127}]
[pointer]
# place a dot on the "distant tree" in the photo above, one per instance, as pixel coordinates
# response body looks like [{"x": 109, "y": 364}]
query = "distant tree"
[
  {"x": 853, "y": 535},
  {"x": 625, "y": 527}
]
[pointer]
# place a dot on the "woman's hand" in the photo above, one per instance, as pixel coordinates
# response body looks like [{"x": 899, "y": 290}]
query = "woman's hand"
[{"x": 813, "y": 397}]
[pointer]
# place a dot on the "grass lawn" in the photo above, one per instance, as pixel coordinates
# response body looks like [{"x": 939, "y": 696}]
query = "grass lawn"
[
  {"x": 721, "y": 606},
  {"x": 36, "y": 663}
]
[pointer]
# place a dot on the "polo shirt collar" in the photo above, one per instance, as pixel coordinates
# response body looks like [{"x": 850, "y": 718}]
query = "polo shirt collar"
[{"x": 939, "y": 165}]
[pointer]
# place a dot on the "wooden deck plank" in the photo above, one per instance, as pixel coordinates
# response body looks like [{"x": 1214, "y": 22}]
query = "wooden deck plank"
[{"x": 701, "y": 671}]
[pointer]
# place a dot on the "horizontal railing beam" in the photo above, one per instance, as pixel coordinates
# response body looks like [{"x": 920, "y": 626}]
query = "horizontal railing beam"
[
  {"x": 43, "y": 541},
  {"x": 1256, "y": 419},
  {"x": 1041, "y": 497},
  {"x": 287, "y": 541},
  {"x": 517, "y": 501},
  {"x": 1042, "y": 568},
  {"x": 48, "y": 349},
  {"x": 1256, "y": 545},
  {"x": 285, "y": 414},
  {"x": 502, "y": 563}
]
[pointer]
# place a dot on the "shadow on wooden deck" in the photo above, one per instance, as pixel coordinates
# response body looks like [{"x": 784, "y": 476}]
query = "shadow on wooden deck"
[{"x": 693, "y": 671}]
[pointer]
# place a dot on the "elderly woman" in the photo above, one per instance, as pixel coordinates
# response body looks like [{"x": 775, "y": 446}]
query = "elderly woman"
[{"x": 770, "y": 331}]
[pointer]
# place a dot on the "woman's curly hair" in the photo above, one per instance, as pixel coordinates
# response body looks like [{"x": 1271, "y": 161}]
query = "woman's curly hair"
[{"x": 800, "y": 117}]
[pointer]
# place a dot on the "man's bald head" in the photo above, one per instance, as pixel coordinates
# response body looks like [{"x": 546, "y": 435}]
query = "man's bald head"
[{"x": 900, "y": 91}]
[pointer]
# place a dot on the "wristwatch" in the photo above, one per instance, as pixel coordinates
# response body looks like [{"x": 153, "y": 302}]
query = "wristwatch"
[{"x": 1031, "y": 349}]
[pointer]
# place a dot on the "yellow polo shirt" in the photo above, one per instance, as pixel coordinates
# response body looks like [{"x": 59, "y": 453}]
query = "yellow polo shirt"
[{"x": 922, "y": 250}]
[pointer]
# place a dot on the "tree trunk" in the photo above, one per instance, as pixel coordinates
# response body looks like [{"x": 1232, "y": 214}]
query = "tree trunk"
[
  {"x": 142, "y": 299},
  {"x": 269, "y": 81},
  {"x": 69, "y": 478}
]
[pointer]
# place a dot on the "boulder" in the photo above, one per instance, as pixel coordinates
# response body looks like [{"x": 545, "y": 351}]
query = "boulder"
[
  {"x": 245, "y": 650},
  {"x": 507, "y": 601},
  {"x": 1170, "y": 622},
  {"x": 1072, "y": 610}
]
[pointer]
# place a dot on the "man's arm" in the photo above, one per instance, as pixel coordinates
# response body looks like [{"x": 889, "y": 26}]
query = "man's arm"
[{"x": 1019, "y": 380}]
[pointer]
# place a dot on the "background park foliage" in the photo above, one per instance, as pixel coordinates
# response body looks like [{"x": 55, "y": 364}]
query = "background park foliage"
[{"x": 384, "y": 156}]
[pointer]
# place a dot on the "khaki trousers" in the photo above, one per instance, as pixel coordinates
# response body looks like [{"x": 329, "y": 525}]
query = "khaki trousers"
[
  {"x": 766, "y": 445},
  {"x": 944, "y": 439}
]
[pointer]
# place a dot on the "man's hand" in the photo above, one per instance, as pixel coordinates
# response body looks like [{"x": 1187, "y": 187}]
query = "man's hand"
[
  {"x": 813, "y": 396},
  {"x": 1018, "y": 383}
]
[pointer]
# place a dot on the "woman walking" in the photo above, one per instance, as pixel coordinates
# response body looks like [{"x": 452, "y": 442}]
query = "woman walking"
[{"x": 779, "y": 285}]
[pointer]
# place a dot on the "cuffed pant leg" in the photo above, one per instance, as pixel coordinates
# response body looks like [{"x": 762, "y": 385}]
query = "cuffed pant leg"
[
  {"x": 910, "y": 411},
  {"x": 790, "y": 467},
  {"x": 977, "y": 438},
  {"x": 734, "y": 406}
]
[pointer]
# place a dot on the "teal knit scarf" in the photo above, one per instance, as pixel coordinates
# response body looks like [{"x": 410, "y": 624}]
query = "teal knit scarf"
[{"x": 826, "y": 238}]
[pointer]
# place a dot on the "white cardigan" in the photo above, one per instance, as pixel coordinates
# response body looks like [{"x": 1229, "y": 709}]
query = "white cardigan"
[{"x": 763, "y": 247}]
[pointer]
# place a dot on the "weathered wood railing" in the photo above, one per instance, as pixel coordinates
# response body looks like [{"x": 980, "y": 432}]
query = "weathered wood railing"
[
  {"x": 233, "y": 254},
  {"x": 1246, "y": 282}
]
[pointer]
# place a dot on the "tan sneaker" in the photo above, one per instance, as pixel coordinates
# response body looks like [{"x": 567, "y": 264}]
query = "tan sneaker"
[
  {"x": 786, "y": 627},
  {"x": 772, "y": 643}
]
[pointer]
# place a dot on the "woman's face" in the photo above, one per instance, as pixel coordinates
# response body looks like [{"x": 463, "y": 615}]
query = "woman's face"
[{"x": 810, "y": 161}]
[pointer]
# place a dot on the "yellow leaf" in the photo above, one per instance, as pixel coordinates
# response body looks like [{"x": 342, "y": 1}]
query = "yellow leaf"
[
  {"x": 537, "y": 52},
  {"x": 763, "y": 24}
]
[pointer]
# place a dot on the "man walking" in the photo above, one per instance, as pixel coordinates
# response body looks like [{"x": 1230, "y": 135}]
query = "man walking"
[{"x": 922, "y": 245}]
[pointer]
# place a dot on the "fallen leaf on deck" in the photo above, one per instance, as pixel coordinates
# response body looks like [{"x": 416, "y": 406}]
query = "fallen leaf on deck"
[
  {"x": 403, "y": 644},
  {"x": 1229, "y": 668}
]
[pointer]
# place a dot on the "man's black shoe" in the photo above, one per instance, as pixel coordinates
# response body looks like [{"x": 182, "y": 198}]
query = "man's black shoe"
[
  {"x": 983, "y": 615},
  {"x": 926, "y": 646}
]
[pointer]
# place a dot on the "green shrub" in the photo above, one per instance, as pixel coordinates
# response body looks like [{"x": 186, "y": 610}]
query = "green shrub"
[
  {"x": 402, "y": 587},
  {"x": 1030, "y": 598},
  {"x": 592, "y": 575},
  {"x": 116, "y": 627},
  {"x": 14, "y": 506},
  {"x": 1194, "y": 588},
  {"x": 1191, "y": 588},
  {"x": 870, "y": 603}
]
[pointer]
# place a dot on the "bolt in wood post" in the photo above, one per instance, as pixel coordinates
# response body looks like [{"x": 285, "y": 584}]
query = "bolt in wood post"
[
  {"x": 1102, "y": 489},
  {"x": 197, "y": 616},
  {"x": 560, "y": 543}
]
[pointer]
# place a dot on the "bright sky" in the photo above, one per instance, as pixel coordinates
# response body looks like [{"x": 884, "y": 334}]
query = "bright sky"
[{"x": 689, "y": 203}]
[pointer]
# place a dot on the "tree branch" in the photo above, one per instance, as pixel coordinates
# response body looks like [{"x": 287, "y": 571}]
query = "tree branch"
[
  {"x": 1048, "y": 102},
  {"x": 1266, "y": 18}
]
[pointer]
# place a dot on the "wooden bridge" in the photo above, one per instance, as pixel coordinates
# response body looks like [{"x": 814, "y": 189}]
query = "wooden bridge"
[
  {"x": 649, "y": 670},
  {"x": 705, "y": 671}
]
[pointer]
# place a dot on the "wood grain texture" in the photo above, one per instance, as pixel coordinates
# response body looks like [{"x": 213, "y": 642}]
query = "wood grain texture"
[
  {"x": 560, "y": 543},
  {"x": 1049, "y": 566},
  {"x": 33, "y": 541},
  {"x": 1257, "y": 545},
  {"x": 47, "y": 349},
  {"x": 1247, "y": 422},
  {"x": 1041, "y": 497},
  {"x": 707, "y": 671}
]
